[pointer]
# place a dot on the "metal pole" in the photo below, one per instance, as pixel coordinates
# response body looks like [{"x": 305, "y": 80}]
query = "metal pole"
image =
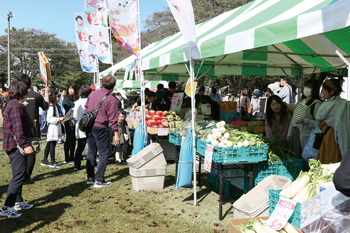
[
  {"x": 193, "y": 129},
  {"x": 348, "y": 82},
  {"x": 8, "y": 49}
]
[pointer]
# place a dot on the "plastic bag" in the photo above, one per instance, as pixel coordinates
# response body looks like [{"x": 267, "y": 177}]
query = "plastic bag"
[
  {"x": 185, "y": 167},
  {"x": 139, "y": 139},
  {"x": 309, "y": 151}
]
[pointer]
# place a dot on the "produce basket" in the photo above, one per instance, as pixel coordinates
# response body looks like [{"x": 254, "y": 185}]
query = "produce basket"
[
  {"x": 273, "y": 200},
  {"x": 256, "y": 201},
  {"x": 201, "y": 146},
  {"x": 229, "y": 116},
  {"x": 175, "y": 138}
]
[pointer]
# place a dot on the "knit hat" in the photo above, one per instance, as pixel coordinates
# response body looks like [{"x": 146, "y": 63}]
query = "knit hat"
[{"x": 256, "y": 92}]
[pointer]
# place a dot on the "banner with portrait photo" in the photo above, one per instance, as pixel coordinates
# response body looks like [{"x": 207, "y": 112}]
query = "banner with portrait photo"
[
  {"x": 87, "y": 61},
  {"x": 123, "y": 22},
  {"x": 95, "y": 13},
  {"x": 103, "y": 48},
  {"x": 80, "y": 32}
]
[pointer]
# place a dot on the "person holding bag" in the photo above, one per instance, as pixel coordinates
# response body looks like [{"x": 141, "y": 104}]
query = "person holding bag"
[
  {"x": 17, "y": 127},
  {"x": 334, "y": 113},
  {"x": 303, "y": 120}
]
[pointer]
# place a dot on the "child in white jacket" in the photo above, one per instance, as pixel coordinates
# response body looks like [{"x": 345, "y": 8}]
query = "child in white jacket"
[{"x": 54, "y": 132}]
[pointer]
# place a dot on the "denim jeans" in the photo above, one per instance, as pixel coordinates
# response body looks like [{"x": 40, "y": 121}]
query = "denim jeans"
[
  {"x": 79, "y": 152},
  {"x": 98, "y": 140}
]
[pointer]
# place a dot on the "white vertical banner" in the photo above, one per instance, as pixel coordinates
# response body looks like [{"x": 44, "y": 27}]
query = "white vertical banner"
[
  {"x": 182, "y": 11},
  {"x": 126, "y": 74}
]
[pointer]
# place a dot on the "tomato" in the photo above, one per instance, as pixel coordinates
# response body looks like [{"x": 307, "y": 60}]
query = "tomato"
[
  {"x": 152, "y": 113},
  {"x": 160, "y": 113},
  {"x": 156, "y": 118}
]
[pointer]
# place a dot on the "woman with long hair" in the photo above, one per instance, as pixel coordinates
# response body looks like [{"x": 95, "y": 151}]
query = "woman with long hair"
[
  {"x": 17, "y": 127},
  {"x": 334, "y": 115},
  {"x": 278, "y": 118},
  {"x": 304, "y": 118},
  {"x": 68, "y": 104}
]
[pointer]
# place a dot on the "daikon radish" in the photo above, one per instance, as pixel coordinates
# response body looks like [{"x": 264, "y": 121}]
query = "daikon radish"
[
  {"x": 249, "y": 231},
  {"x": 289, "y": 228},
  {"x": 282, "y": 231},
  {"x": 268, "y": 230},
  {"x": 302, "y": 195},
  {"x": 304, "y": 180},
  {"x": 285, "y": 190},
  {"x": 259, "y": 228}
]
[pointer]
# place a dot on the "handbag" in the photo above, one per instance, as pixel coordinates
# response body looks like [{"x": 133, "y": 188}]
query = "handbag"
[
  {"x": 319, "y": 139},
  {"x": 33, "y": 142},
  {"x": 88, "y": 119}
]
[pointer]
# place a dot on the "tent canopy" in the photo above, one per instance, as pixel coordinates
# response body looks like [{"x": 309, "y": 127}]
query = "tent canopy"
[
  {"x": 132, "y": 84},
  {"x": 264, "y": 37}
]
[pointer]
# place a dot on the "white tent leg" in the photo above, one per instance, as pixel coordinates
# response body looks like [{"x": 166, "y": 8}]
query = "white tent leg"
[
  {"x": 348, "y": 88},
  {"x": 193, "y": 107}
]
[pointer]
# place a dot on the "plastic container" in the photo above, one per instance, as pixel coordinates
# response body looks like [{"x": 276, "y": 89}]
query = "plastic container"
[
  {"x": 229, "y": 190},
  {"x": 229, "y": 116},
  {"x": 150, "y": 157},
  {"x": 142, "y": 172},
  {"x": 295, "y": 219},
  {"x": 148, "y": 182},
  {"x": 256, "y": 201},
  {"x": 175, "y": 138}
]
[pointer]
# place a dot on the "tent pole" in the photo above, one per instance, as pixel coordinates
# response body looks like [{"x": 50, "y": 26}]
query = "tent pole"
[
  {"x": 193, "y": 107},
  {"x": 302, "y": 83},
  {"x": 240, "y": 93},
  {"x": 348, "y": 82},
  {"x": 336, "y": 51}
]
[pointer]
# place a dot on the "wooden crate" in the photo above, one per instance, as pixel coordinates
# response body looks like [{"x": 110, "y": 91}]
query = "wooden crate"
[{"x": 228, "y": 106}]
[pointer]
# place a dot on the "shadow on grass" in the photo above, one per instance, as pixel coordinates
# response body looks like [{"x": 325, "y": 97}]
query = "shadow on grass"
[{"x": 48, "y": 215}]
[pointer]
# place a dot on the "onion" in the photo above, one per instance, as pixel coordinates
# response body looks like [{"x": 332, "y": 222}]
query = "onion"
[
  {"x": 229, "y": 144},
  {"x": 214, "y": 143},
  {"x": 222, "y": 123},
  {"x": 245, "y": 143},
  {"x": 214, "y": 131},
  {"x": 222, "y": 130},
  {"x": 220, "y": 144},
  {"x": 214, "y": 136},
  {"x": 218, "y": 125},
  {"x": 210, "y": 136},
  {"x": 218, "y": 135},
  {"x": 225, "y": 141},
  {"x": 239, "y": 144},
  {"x": 226, "y": 135}
]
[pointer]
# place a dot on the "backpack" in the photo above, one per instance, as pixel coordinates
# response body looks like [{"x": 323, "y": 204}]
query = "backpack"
[{"x": 88, "y": 119}]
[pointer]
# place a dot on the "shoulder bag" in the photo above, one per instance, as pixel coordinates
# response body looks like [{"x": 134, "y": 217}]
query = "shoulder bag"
[
  {"x": 33, "y": 142},
  {"x": 88, "y": 119}
]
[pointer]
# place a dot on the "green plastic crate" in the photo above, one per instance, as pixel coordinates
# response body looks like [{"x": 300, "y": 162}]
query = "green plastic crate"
[
  {"x": 229, "y": 190},
  {"x": 229, "y": 116},
  {"x": 175, "y": 138},
  {"x": 274, "y": 196}
]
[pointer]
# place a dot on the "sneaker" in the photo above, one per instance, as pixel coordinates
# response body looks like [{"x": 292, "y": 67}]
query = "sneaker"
[
  {"x": 44, "y": 163},
  {"x": 102, "y": 184},
  {"x": 65, "y": 162},
  {"x": 90, "y": 180},
  {"x": 71, "y": 162},
  {"x": 22, "y": 206},
  {"x": 122, "y": 163},
  {"x": 77, "y": 168},
  {"x": 9, "y": 212},
  {"x": 55, "y": 165}
]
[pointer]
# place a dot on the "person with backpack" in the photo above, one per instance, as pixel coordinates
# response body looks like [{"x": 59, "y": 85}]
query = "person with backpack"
[
  {"x": 334, "y": 115},
  {"x": 304, "y": 118}
]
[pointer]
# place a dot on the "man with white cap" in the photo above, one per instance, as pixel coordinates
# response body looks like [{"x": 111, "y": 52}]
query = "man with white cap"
[{"x": 133, "y": 97}]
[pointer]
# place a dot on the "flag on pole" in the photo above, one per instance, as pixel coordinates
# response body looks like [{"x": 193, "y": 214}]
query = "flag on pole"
[
  {"x": 183, "y": 13},
  {"x": 123, "y": 21},
  {"x": 95, "y": 19}
]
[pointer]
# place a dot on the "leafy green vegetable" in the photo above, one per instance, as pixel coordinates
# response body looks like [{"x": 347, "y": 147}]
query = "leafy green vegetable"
[{"x": 248, "y": 226}]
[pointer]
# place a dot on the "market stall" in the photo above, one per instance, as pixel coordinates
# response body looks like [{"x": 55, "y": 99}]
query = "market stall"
[{"x": 260, "y": 38}]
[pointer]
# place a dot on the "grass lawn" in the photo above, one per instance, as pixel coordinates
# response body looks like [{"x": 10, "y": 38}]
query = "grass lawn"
[{"x": 65, "y": 203}]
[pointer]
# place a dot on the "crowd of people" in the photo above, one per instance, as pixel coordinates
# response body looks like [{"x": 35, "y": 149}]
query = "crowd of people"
[{"x": 27, "y": 113}]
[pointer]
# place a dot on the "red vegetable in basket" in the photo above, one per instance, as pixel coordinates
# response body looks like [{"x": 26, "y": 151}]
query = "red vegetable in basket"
[
  {"x": 160, "y": 113},
  {"x": 152, "y": 113},
  {"x": 151, "y": 123},
  {"x": 164, "y": 119},
  {"x": 147, "y": 118},
  {"x": 165, "y": 124},
  {"x": 156, "y": 118}
]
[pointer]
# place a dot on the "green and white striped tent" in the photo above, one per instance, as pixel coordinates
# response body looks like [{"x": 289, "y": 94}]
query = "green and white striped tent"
[
  {"x": 264, "y": 37},
  {"x": 133, "y": 84}
]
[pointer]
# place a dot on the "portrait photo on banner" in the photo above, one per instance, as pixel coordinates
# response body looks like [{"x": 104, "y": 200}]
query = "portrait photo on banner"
[
  {"x": 95, "y": 13},
  {"x": 103, "y": 49},
  {"x": 87, "y": 60}
]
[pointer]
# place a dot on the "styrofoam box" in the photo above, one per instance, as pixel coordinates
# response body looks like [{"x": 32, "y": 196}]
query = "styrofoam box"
[
  {"x": 256, "y": 201},
  {"x": 151, "y": 152},
  {"x": 148, "y": 183},
  {"x": 142, "y": 172}
]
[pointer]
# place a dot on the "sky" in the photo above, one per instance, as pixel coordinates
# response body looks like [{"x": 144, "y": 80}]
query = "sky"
[{"x": 56, "y": 16}]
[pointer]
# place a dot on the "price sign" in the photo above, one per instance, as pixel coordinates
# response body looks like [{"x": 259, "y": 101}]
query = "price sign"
[
  {"x": 208, "y": 157},
  {"x": 280, "y": 215},
  {"x": 162, "y": 131},
  {"x": 259, "y": 130},
  {"x": 44, "y": 67}
]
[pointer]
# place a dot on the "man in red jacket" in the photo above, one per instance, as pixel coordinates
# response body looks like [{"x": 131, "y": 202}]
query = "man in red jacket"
[{"x": 98, "y": 137}]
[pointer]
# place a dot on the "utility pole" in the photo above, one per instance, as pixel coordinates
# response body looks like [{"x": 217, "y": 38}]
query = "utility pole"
[{"x": 9, "y": 16}]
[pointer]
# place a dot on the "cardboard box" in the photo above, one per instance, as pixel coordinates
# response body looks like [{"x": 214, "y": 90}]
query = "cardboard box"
[
  {"x": 228, "y": 106},
  {"x": 236, "y": 222},
  {"x": 154, "y": 130}
]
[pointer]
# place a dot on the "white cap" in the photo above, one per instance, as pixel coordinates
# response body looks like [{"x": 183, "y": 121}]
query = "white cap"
[{"x": 122, "y": 93}]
